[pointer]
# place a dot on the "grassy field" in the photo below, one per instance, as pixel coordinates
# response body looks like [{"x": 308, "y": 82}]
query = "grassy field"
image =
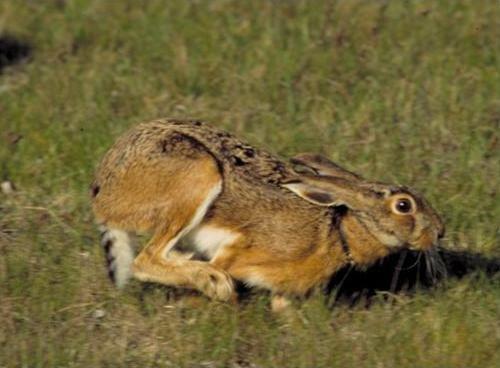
[{"x": 401, "y": 91}]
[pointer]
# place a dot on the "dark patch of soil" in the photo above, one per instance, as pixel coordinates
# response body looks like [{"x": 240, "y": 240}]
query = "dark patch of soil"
[{"x": 12, "y": 51}]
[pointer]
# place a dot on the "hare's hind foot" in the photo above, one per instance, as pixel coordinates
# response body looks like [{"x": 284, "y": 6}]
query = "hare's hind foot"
[
  {"x": 214, "y": 283},
  {"x": 155, "y": 264}
]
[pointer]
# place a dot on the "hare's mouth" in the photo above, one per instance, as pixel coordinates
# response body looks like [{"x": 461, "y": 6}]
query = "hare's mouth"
[{"x": 424, "y": 242}]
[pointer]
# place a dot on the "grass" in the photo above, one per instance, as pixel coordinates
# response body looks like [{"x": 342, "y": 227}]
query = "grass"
[{"x": 405, "y": 92}]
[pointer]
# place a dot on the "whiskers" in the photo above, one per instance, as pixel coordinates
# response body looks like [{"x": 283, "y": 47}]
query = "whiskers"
[
  {"x": 404, "y": 271},
  {"x": 407, "y": 271},
  {"x": 427, "y": 269},
  {"x": 434, "y": 266}
]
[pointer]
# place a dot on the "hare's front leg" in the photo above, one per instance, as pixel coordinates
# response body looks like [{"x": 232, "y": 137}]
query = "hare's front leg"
[{"x": 154, "y": 265}]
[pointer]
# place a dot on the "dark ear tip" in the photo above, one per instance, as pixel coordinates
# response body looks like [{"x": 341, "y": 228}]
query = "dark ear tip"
[{"x": 290, "y": 181}]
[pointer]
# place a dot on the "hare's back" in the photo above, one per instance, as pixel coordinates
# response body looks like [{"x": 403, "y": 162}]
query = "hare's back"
[{"x": 234, "y": 155}]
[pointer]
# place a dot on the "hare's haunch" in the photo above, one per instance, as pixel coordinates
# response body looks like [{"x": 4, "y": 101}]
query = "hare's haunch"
[{"x": 221, "y": 210}]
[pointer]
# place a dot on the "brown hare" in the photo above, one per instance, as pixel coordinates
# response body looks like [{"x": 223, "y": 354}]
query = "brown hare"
[{"x": 221, "y": 210}]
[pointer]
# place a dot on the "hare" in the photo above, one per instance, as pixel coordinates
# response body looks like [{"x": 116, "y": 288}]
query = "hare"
[{"x": 221, "y": 210}]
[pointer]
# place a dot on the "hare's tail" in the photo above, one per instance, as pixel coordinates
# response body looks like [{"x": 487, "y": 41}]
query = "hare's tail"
[{"x": 119, "y": 248}]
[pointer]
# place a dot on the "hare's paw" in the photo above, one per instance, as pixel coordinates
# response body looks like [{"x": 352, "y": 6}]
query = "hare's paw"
[
  {"x": 279, "y": 303},
  {"x": 214, "y": 283}
]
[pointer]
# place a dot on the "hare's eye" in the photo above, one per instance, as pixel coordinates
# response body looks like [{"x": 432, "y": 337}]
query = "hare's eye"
[{"x": 403, "y": 205}]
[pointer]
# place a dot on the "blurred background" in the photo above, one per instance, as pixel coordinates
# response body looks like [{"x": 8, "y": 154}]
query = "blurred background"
[{"x": 399, "y": 91}]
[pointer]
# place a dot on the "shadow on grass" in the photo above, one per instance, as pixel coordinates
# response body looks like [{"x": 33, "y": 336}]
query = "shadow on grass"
[
  {"x": 12, "y": 51},
  {"x": 404, "y": 272}
]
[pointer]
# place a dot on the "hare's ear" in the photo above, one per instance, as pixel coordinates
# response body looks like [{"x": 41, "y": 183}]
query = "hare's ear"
[
  {"x": 332, "y": 191},
  {"x": 312, "y": 193},
  {"x": 320, "y": 165}
]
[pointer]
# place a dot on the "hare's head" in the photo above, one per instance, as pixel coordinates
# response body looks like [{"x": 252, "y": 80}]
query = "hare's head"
[{"x": 395, "y": 215}]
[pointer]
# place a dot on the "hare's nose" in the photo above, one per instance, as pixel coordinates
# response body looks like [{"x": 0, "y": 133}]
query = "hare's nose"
[{"x": 441, "y": 233}]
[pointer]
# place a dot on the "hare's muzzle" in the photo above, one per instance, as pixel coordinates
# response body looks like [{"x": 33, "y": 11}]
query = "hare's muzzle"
[{"x": 427, "y": 240}]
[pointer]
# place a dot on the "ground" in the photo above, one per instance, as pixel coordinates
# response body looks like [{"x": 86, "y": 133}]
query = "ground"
[{"x": 405, "y": 92}]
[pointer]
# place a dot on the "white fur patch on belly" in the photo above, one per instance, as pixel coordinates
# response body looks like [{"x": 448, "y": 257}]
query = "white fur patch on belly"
[{"x": 207, "y": 240}]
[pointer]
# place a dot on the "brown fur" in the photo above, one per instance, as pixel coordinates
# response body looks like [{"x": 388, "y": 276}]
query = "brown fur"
[{"x": 157, "y": 176}]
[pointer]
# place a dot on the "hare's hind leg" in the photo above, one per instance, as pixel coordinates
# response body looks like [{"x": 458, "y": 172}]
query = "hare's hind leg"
[
  {"x": 167, "y": 195},
  {"x": 154, "y": 263},
  {"x": 185, "y": 196},
  {"x": 153, "y": 266}
]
